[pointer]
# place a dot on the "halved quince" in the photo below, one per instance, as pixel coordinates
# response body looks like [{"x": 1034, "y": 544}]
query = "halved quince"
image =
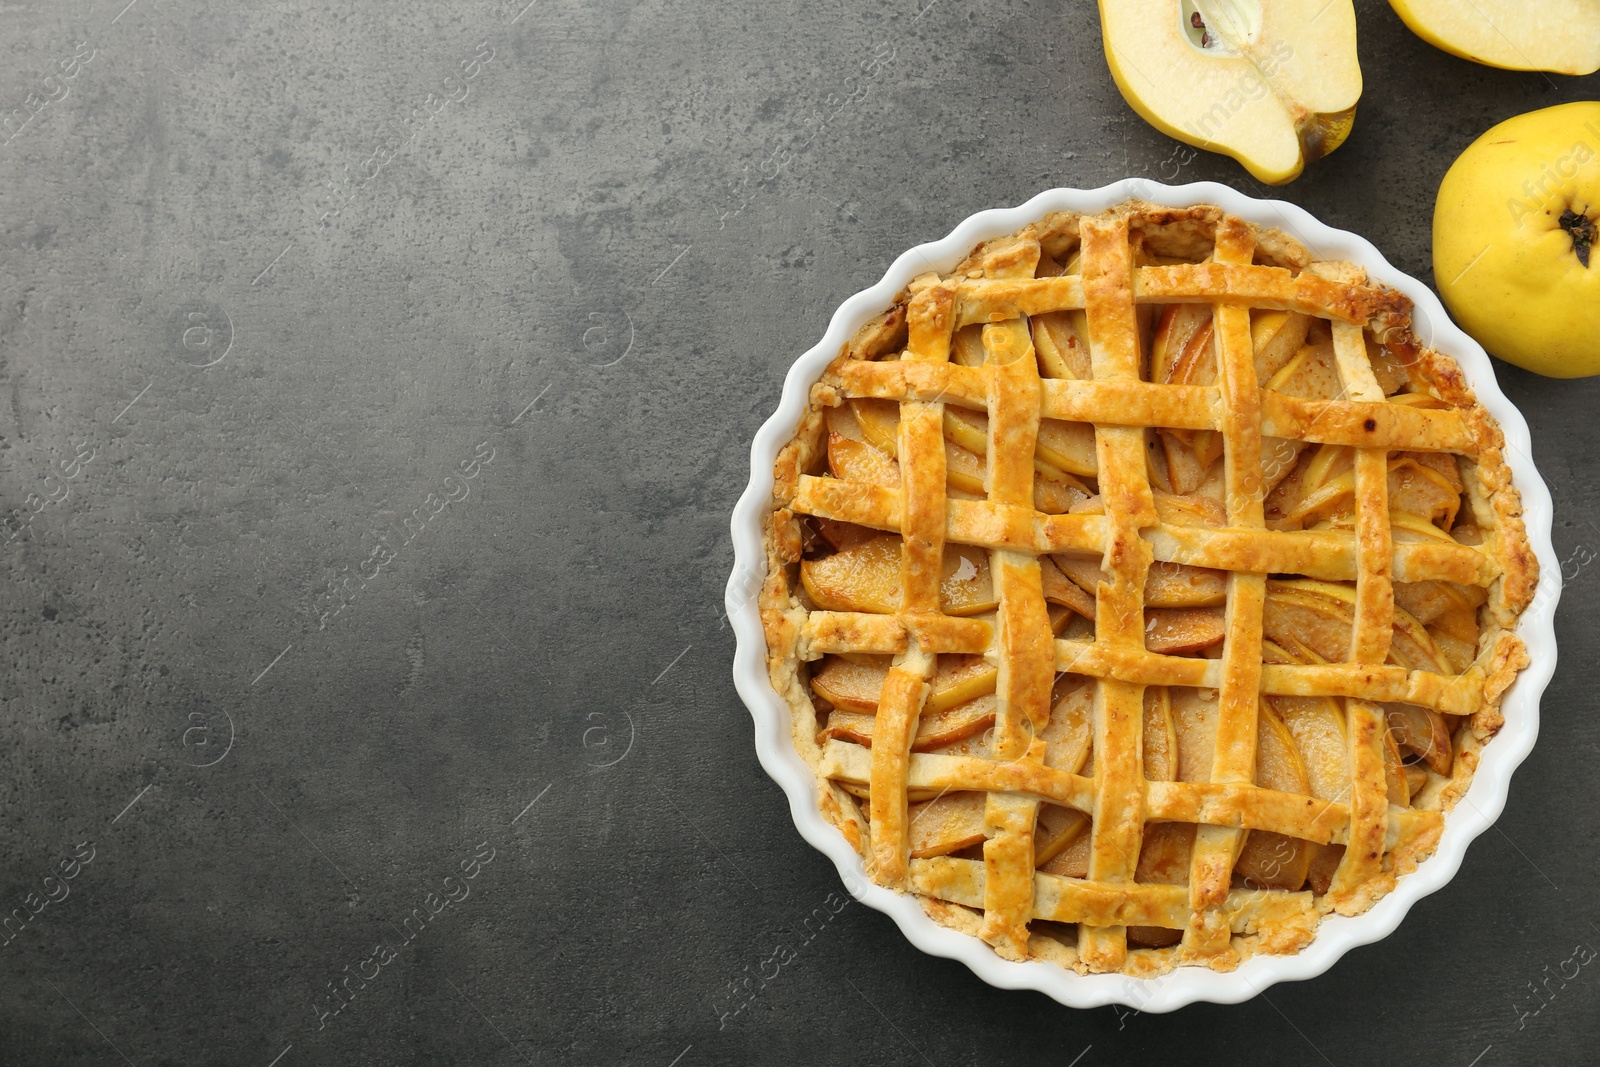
[
  {"x": 1555, "y": 35},
  {"x": 1272, "y": 83}
]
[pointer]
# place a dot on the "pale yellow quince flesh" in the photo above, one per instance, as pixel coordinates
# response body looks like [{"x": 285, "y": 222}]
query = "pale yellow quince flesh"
[
  {"x": 1514, "y": 233},
  {"x": 1272, "y": 83},
  {"x": 1562, "y": 36}
]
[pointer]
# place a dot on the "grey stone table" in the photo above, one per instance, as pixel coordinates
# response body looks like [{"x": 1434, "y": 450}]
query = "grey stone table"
[{"x": 378, "y": 380}]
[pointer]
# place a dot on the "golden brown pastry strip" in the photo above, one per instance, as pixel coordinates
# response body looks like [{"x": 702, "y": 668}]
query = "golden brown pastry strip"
[
  {"x": 1237, "y": 285},
  {"x": 922, "y": 529},
  {"x": 1325, "y": 554},
  {"x": 1119, "y": 609},
  {"x": 1240, "y": 806},
  {"x": 1025, "y": 645},
  {"x": 1238, "y": 696},
  {"x": 1192, "y": 407},
  {"x": 1374, "y": 629}
]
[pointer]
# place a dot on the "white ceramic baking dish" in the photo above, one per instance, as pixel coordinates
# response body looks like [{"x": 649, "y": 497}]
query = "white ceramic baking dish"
[{"x": 1337, "y": 935}]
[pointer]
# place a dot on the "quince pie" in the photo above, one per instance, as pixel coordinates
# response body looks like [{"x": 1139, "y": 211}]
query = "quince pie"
[{"x": 1143, "y": 591}]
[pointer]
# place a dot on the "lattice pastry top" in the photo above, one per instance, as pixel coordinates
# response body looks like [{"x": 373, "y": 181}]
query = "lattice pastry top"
[{"x": 1143, "y": 590}]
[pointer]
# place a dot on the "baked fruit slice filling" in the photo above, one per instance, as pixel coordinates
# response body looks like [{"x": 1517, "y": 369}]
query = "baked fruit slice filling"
[{"x": 1143, "y": 590}]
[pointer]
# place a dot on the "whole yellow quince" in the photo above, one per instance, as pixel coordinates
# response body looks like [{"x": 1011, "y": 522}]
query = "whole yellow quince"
[{"x": 1514, "y": 240}]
